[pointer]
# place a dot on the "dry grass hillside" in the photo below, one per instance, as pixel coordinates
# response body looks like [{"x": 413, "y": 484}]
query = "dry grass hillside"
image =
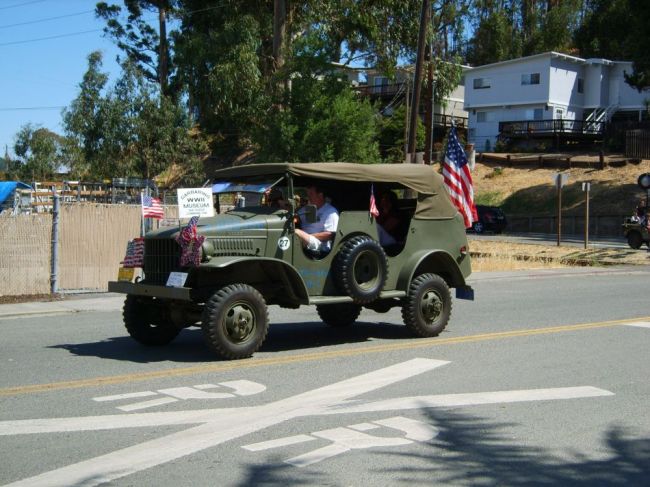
[{"x": 525, "y": 188}]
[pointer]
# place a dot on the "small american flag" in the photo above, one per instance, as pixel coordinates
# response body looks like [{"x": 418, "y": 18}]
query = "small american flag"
[
  {"x": 151, "y": 208},
  {"x": 134, "y": 253},
  {"x": 458, "y": 180},
  {"x": 373, "y": 204},
  {"x": 190, "y": 243}
]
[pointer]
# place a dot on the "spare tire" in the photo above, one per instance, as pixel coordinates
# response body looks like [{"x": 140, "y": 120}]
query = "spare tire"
[{"x": 360, "y": 269}]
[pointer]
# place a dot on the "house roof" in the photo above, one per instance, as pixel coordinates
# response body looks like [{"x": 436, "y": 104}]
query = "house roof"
[{"x": 549, "y": 54}]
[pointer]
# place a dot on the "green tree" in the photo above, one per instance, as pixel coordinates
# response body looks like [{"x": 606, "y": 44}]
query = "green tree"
[
  {"x": 617, "y": 29},
  {"x": 39, "y": 153},
  {"x": 129, "y": 129},
  {"x": 392, "y": 132},
  {"x": 143, "y": 45},
  {"x": 322, "y": 120}
]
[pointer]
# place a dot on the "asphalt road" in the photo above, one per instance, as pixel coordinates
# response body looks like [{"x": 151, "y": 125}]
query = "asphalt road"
[{"x": 540, "y": 381}]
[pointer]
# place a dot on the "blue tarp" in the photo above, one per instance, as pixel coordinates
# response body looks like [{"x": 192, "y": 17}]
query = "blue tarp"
[{"x": 8, "y": 187}]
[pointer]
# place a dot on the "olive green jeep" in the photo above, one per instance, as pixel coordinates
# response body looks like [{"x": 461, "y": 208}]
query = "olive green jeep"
[
  {"x": 636, "y": 233},
  {"x": 251, "y": 257}
]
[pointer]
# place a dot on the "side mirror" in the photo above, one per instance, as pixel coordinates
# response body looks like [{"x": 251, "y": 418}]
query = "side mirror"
[{"x": 310, "y": 213}]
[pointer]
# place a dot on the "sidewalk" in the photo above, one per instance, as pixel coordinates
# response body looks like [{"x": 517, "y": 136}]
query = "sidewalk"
[{"x": 76, "y": 304}]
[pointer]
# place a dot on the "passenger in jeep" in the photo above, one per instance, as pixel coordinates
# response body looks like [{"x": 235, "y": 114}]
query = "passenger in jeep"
[
  {"x": 388, "y": 221},
  {"x": 317, "y": 237}
]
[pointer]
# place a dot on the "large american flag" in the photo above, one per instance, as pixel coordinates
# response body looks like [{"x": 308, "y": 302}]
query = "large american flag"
[
  {"x": 458, "y": 180},
  {"x": 151, "y": 207}
]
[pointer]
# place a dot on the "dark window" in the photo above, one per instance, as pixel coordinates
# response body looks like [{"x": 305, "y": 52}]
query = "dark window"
[
  {"x": 581, "y": 85},
  {"x": 530, "y": 79},
  {"x": 481, "y": 83}
]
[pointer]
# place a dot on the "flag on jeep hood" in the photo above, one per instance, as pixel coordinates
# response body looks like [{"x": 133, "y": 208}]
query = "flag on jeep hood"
[
  {"x": 457, "y": 178},
  {"x": 190, "y": 243}
]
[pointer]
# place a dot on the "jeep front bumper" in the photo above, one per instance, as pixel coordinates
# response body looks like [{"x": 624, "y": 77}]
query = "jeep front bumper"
[{"x": 165, "y": 292}]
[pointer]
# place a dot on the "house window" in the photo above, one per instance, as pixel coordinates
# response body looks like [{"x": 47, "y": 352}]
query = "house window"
[
  {"x": 530, "y": 79},
  {"x": 481, "y": 83},
  {"x": 581, "y": 85},
  {"x": 482, "y": 117}
]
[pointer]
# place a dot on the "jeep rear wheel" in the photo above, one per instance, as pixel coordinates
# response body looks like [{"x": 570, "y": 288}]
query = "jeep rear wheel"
[
  {"x": 427, "y": 305},
  {"x": 634, "y": 240},
  {"x": 338, "y": 315},
  {"x": 145, "y": 320},
  {"x": 235, "y": 321},
  {"x": 360, "y": 269}
]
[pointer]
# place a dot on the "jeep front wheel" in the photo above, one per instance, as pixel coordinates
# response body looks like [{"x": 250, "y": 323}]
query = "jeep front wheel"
[
  {"x": 146, "y": 322},
  {"x": 235, "y": 321},
  {"x": 338, "y": 315},
  {"x": 427, "y": 305},
  {"x": 634, "y": 240}
]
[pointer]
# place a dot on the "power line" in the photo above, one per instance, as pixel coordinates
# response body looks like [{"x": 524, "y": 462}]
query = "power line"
[
  {"x": 21, "y": 4},
  {"x": 45, "y": 20},
  {"x": 50, "y": 37}
]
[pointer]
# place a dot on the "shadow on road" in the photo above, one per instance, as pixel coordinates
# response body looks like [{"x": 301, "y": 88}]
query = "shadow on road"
[
  {"x": 469, "y": 450},
  {"x": 190, "y": 347}
]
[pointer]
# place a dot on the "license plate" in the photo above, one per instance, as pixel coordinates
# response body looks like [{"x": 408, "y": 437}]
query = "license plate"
[{"x": 125, "y": 274}]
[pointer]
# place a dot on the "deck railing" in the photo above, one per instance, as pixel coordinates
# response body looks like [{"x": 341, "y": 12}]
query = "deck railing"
[{"x": 550, "y": 127}]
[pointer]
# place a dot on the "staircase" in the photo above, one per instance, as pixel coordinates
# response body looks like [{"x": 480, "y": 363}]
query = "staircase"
[{"x": 598, "y": 117}]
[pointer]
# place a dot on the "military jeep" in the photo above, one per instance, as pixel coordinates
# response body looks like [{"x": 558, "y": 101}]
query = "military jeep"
[
  {"x": 636, "y": 233},
  {"x": 251, "y": 258}
]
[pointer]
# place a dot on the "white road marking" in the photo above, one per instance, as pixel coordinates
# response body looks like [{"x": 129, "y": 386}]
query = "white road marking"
[
  {"x": 351, "y": 438},
  {"x": 147, "y": 404},
  {"x": 217, "y": 426},
  {"x": 192, "y": 393},
  {"x": 130, "y": 395},
  {"x": 414, "y": 429},
  {"x": 363, "y": 426},
  {"x": 343, "y": 440},
  {"x": 286, "y": 441},
  {"x": 244, "y": 387},
  {"x": 240, "y": 387},
  {"x": 640, "y": 324},
  {"x": 472, "y": 399}
]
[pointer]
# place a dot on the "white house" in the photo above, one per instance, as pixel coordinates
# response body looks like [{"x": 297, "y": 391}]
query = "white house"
[
  {"x": 547, "y": 86},
  {"x": 378, "y": 84}
]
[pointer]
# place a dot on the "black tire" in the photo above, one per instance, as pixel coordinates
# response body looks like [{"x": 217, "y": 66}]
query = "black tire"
[
  {"x": 235, "y": 321},
  {"x": 634, "y": 240},
  {"x": 146, "y": 321},
  {"x": 338, "y": 315},
  {"x": 478, "y": 227},
  {"x": 361, "y": 269},
  {"x": 427, "y": 306}
]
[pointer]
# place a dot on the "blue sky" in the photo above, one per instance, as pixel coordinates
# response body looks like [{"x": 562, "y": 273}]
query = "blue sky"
[{"x": 45, "y": 73}]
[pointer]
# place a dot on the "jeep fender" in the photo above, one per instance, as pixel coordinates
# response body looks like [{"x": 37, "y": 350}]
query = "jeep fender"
[
  {"x": 434, "y": 261},
  {"x": 289, "y": 276}
]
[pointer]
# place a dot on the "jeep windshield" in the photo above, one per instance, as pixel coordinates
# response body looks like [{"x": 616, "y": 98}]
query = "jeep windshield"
[{"x": 247, "y": 191}]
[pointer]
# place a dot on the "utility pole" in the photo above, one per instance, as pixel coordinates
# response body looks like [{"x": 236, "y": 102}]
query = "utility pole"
[
  {"x": 417, "y": 82},
  {"x": 429, "y": 106}
]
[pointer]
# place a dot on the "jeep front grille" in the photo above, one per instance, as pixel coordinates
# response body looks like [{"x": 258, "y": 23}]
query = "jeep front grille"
[
  {"x": 161, "y": 256},
  {"x": 234, "y": 246}
]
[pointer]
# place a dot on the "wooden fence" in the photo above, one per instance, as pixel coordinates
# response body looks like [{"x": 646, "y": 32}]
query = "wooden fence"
[{"x": 637, "y": 144}]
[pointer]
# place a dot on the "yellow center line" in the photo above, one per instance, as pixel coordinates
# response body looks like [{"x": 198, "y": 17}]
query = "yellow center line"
[{"x": 306, "y": 357}]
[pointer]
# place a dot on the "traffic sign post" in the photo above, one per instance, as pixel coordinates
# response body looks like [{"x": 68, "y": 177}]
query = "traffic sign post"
[
  {"x": 560, "y": 179},
  {"x": 586, "y": 187}
]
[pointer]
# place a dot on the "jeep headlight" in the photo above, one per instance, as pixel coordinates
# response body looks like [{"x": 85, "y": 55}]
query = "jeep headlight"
[{"x": 207, "y": 250}]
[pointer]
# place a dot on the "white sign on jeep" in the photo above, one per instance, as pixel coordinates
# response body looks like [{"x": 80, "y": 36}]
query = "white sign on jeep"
[{"x": 195, "y": 202}]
